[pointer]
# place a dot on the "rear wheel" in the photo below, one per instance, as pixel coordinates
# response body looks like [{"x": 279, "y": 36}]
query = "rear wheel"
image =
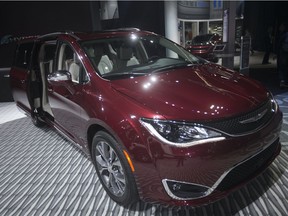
[
  {"x": 113, "y": 169},
  {"x": 36, "y": 119}
]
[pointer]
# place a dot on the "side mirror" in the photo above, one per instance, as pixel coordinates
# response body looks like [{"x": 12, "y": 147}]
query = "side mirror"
[{"x": 59, "y": 78}]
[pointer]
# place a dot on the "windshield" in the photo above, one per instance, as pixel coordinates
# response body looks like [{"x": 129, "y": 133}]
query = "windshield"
[
  {"x": 202, "y": 39},
  {"x": 136, "y": 55}
]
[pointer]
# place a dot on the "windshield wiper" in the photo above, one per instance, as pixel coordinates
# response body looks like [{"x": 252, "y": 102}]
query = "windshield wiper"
[
  {"x": 122, "y": 75},
  {"x": 180, "y": 65}
]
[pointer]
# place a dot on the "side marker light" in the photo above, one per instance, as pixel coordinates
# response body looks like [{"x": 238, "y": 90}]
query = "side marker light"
[{"x": 129, "y": 161}]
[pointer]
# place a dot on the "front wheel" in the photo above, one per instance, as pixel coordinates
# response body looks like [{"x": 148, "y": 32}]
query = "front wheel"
[{"x": 113, "y": 169}]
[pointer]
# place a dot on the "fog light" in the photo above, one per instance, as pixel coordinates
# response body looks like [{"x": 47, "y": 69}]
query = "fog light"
[
  {"x": 183, "y": 190},
  {"x": 176, "y": 187}
]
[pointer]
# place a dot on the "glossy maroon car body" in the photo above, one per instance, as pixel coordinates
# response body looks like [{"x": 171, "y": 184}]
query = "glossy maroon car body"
[
  {"x": 239, "y": 116},
  {"x": 203, "y": 46}
]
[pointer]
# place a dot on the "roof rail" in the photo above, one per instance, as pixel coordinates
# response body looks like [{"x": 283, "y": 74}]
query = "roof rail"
[
  {"x": 122, "y": 29},
  {"x": 71, "y": 33}
]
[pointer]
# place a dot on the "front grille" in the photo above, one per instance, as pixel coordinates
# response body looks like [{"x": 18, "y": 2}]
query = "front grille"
[
  {"x": 247, "y": 169},
  {"x": 233, "y": 126}
]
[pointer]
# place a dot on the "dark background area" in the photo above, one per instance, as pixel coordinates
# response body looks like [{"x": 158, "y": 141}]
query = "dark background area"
[
  {"x": 32, "y": 18},
  {"x": 259, "y": 15},
  {"x": 147, "y": 15},
  {"x": 35, "y": 18}
]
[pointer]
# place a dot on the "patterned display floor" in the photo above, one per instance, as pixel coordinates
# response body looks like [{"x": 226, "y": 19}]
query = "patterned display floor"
[{"x": 41, "y": 173}]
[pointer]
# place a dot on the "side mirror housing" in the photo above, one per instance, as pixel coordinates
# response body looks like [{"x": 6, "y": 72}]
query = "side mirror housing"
[{"x": 59, "y": 78}]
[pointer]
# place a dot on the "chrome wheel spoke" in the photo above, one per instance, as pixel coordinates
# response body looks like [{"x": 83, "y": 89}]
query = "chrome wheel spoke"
[
  {"x": 103, "y": 150},
  {"x": 120, "y": 187},
  {"x": 112, "y": 155},
  {"x": 106, "y": 178},
  {"x": 119, "y": 179},
  {"x": 103, "y": 163},
  {"x": 112, "y": 184}
]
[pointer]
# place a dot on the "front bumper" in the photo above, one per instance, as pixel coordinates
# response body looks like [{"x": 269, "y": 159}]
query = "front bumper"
[
  {"x": 202, "y": 174},
  {"x": 234, "y": 176}
]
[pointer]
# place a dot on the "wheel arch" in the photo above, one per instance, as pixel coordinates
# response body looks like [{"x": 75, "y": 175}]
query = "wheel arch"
[
  {"x": 99, "y": 125},
  {"x": 92, "y": 130},
  {"x": 96, "y": 127}
]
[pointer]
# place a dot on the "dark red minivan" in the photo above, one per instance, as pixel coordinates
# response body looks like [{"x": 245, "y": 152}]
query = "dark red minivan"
[
  {"x": 204, "y": 45},
  {"x": 158, "y": 123}
]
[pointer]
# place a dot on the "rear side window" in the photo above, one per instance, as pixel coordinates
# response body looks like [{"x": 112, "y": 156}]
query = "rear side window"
[{"x": 23, "y": 55}]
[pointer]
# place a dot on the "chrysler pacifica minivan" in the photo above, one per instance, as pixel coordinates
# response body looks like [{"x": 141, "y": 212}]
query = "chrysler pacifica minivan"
[{"x": 158, "y": 123}]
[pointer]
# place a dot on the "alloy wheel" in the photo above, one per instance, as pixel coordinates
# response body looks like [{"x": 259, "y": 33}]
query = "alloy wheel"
[{"x": 110, "y": 168}]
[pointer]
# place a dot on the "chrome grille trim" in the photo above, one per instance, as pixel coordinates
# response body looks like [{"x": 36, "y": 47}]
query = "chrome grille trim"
[{"x": 235, "y": 127}]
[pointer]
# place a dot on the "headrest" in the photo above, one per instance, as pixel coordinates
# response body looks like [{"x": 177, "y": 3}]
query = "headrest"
[
  {"x": 124, "y": 53},
  {"x": 50, "y": 52},
  {"x": 75, "y": 58},
  {"x": 47, "y": 52},
  {"x": 90, "y": 52},
  {"x": 99, "y": 50}
]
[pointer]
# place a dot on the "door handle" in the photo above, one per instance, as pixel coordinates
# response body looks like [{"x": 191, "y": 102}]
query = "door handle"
[{"x": 6, "y": 76}]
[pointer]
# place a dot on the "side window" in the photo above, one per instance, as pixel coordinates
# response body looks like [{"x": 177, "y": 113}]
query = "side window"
[
  {"x": 68, "y": 60},
  {"x": 23, "y": 55}
]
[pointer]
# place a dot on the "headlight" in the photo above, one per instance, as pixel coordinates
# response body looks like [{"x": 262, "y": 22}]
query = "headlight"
[
  {"x": 181, "y": 134},
  {"x": 274, "y": 104}
]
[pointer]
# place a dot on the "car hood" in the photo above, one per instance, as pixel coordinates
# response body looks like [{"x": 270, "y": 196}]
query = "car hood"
[{"x": 202, "y": 92}]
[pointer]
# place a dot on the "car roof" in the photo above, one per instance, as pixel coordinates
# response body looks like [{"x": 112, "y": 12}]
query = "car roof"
[
  {"x": 82, "y": 36},
  {"x": 98, "y": 34}
]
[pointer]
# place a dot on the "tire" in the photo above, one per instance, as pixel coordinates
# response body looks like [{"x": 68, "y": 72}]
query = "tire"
[
  {"x": 36, "y": 120},
  {"x": 113, "y": 169}
]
